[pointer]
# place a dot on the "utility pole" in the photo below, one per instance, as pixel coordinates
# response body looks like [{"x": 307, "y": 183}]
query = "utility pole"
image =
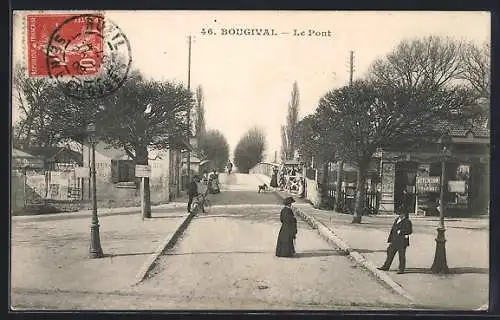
[
  {"x": 340, "y": 163},
  {"x": 189, "y": 116},
  {"x": 351, "y": 67}
]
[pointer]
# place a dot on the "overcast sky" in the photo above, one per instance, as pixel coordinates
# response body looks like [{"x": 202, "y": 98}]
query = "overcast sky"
[{"x": 247, "y": 80}]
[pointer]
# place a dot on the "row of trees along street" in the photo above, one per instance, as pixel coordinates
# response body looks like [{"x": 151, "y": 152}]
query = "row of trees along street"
[
  {"x": 401, "y": 102},
  {"x": 249, "y": 150},
  {"x": 288, "y": 130},
  {"x": 212, "y": 144},
  {"x": 143, "y": 114}
]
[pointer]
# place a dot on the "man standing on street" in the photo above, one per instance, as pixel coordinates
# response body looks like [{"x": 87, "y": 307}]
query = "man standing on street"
[
  {"x": 192, "y": 191},
  {"x": 399, "y": 239}
]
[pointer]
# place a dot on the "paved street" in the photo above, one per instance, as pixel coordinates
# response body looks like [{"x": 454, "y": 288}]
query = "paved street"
[
  {"x": 465, "y": 288},
  {"x": 229, "y": 259},
  {"x": 467, "y": 247},
  {"x": 52, "y": 256},
  {"x": 225, "y": 259}
]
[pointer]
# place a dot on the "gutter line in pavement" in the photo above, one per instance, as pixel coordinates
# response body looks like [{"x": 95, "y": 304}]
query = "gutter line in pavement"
[{"x": 167, "y": 244}]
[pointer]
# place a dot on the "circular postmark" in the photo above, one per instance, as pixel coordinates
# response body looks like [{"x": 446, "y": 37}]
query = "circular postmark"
[{"x": 89, "y": 56}]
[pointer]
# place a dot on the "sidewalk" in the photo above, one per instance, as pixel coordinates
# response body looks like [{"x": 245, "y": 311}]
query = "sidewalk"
[
  {"x": 177, "y": 204},
  {"x": 467, "y": 255},
  {"x": 53, "y": 254},
  {"x": 467, "y": 249}
]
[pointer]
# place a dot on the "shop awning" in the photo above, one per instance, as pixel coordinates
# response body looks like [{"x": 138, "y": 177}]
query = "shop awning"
[
  {"x": 204, "y": 162},
  {"x": 21, "y": 159}
]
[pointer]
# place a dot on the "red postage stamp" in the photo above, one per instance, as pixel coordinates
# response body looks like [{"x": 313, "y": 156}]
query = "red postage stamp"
[
  {"x": 87, "y": 55},
  {"x": 64, "y": 44}
]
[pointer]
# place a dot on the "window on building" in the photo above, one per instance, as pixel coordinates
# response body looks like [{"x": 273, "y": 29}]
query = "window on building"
[
  {"x": 462, "y": 178},
  {"x": 122, "y": 171}
]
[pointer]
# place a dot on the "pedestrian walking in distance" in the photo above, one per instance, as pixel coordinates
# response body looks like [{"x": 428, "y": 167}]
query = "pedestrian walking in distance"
[
  {"x": 399, "y": 240},
  {"x": 285, "y": 246},
  {"x": 192, "y": 191}
]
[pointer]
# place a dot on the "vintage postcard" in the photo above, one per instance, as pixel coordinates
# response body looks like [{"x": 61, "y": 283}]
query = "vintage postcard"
[{"x": 237, "y": 160}]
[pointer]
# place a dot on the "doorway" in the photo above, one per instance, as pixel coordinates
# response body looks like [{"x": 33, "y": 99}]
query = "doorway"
[{"x": 406, "y": 173}]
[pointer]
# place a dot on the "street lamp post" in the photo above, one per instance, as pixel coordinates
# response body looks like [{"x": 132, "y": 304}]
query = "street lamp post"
[
  {"x": 440, "y": 265},
  {"x": 95, "y": 250}
]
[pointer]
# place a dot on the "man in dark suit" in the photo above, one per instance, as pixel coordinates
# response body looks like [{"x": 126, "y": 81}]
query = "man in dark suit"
[
  {"x": 399, "y": 240},
  {"x": 192, "y": 191}
]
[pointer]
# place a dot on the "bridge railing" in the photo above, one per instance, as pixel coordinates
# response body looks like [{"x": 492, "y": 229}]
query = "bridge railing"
[
  {"x": 311, "y": 190},
  {"x": 265, "y": 168}
]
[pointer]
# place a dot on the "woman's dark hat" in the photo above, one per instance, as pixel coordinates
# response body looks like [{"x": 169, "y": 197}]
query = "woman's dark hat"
[{"x": 288, "y": 200}]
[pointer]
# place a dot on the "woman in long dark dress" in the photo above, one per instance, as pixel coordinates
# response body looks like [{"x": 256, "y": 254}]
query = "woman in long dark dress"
[
  {"x": 285, "y": 246},
  {"x": 274, "y": 178}
]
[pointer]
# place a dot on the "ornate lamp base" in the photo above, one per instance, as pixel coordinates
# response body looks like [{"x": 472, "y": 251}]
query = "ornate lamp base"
[
  {"x": 440, "y": 265},
  {"x": 95, "y": 250}
]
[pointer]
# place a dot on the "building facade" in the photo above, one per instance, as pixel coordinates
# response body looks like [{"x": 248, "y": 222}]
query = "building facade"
[
  {"x": 115, "y": 174},
  {"x": 467, "y": 175}
]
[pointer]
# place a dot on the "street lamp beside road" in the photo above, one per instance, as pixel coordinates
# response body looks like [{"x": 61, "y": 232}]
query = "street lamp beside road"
[
  {"x": 440, "y": 265},
  {"x": 95, "y": 250}
]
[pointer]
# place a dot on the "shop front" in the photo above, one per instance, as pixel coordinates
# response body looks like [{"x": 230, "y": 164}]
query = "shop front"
[{"x": 466, "y": 183}]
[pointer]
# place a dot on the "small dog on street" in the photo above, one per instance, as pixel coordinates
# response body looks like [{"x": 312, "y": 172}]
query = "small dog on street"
[{"x": 262, "y": 187}]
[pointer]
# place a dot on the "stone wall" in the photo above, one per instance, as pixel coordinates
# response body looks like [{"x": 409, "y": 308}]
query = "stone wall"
[{"x": 126, "y": 194}]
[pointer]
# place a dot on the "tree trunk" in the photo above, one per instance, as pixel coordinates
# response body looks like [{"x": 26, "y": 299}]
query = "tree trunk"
[
  {"x": 338, "y": 187},
  {"x": 324, "y": 183},
  {"x": 360, "y": 193},
  {"x": 142, "y": 159}
]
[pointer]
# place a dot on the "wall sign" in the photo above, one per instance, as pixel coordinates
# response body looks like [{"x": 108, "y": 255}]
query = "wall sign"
[
  {"x": 142, "y": 171},
  {"x": 428, "y": 184},
  {"x": 82, "y": 172},
  {"x": 457, "y": 186}
]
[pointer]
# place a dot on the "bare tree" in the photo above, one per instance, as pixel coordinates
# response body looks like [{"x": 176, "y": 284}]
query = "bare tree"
[
  {"x": 200, "y": 125},
  {"x": 476, "y": 68},
  {"x": 284, "y": 139},
  {"x": 250, "y": 149},
  {"x": 477, "y": 74},
  {"x": 422, "y": 64},
  {"x": 47, "y": 116},
  {"x": 33, "y": 96},
  {"x": 216, "y": 148},
  {"x": 145, "y": 114},
  {"x": 287, "y": 131},
  {"x": 365, "y": 117}
]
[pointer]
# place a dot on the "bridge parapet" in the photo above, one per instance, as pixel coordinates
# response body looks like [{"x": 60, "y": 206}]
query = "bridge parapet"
[{"x": 265, "y": 168}]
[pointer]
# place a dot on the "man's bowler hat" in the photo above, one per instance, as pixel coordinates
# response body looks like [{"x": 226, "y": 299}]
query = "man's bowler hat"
[{"x": 288, "y": 200}]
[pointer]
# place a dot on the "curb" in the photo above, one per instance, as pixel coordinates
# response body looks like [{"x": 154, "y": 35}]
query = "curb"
[
  {"x": 166, "y": 245},
  {"x": 104, "y": 212},
  {"x": 330, "y": 236}
]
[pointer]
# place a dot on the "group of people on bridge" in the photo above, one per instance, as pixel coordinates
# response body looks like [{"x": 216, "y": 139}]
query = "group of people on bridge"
[{"x": 288, "y": 178}]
